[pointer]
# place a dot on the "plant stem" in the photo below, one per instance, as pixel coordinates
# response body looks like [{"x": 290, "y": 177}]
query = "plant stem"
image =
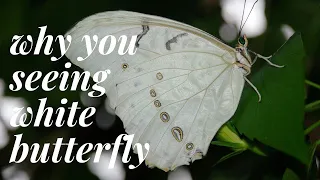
[
  {"x": 312, "y": 106},
  {"x": 257, "y": 150},
  {"x": 312, "y": 127},
  {"x": 312, "y": 84},
  {"x": 313, "y": 150}
]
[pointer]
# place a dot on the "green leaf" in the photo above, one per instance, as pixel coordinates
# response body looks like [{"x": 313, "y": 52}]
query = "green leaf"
[
  {"x": 310, "y": 83},
  {"x": 312, "y": 106},
  {"x": 230, "y": 145},
  {"x": 290, "y": 175},
  {"x": 312, "y": 127},
  {"x": 277, "y": 121},
  {"x": 312, "y": 159},
  {"x": 244, "y": 166},
  {"x": 228, "y": 136},
  {"x": 228, "y": 156}
]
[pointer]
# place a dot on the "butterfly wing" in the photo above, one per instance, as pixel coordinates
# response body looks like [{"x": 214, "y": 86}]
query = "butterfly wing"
[{"x": 174, "y": 93}]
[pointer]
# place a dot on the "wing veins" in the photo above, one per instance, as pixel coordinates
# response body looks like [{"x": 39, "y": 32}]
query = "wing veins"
[
  {"x": 152, "y": 100},
  {"x": 150, "y": 86},
  {"x": 162, "y": 81},
  {"x": 198, "y": 110},
  {"x": 177, "y": 52},
  {"x": 174, "y": 88},
  {"x": 196, "y": 115},
  {"x": 157, "y": 113},
  {"x": 184, "y": 140},
  {"x": 169, "y": 68},
  {"x": 174, "y": 120},
  {"x": 199, "y": 106},
  {"x": 149, "y": 50}
]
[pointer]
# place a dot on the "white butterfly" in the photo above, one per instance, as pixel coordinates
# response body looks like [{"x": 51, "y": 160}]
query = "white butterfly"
[{"x": 178, "y": 89}]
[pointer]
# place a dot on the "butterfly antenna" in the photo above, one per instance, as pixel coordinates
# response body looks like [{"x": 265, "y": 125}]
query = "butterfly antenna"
[
  {"x": 248, "y": 15},
  {"x": 244, "y": 7}
]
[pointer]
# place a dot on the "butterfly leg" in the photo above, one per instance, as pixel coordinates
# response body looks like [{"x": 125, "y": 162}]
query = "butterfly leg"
[
  {"x": 255, "y": 88},
  {"x": 266, "y": 58},
  {"x": 254, "y": 60}
]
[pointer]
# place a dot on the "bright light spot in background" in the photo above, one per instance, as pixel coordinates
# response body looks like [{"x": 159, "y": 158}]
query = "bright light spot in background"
[
  {"x": 101, "y": 169},
  {"x": 1, "y": 87},
  {"x": 228, "y": 32},
  {"x": 104, "y": 119},
  {"x": 181, "y": 173},
  {"x": 89, "y": 101},
  {"x": 4, "y": 137},
  {"x": 13, "y": 173},
  {"x": 287, "y": 30},
  {"x": 108, "y": 108},
  {"x": 257, "y": 22},
  {"x": 7, "y": 106},
  {"x": 105, "y": 116}
]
